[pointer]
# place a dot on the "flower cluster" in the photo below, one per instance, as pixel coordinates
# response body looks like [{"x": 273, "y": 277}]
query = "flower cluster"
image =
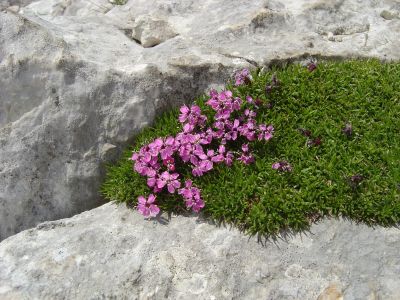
[{"x": 200, "y": 145}]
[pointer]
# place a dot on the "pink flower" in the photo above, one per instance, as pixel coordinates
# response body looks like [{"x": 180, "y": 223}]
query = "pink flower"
[
  {"x": 147, "y": 207},
  {"x": 184, "y": 113},
  {"x": 276, "y": 165},
  {"x": 229, "y": 158},
  {"x": 151, "y": 181},
  {"x": 202, "y": 167},
  {"x": 192, "y": 196},
  {"x": 167, "y": 152},
  {"x": 250, "y": 113},
  {"x": 224, "y": 105},
  {"x": 242, "y": 77},
  {"x": 169, "y": 180},
  {"x": 265, "y": 132},
  {"x": 197, "y": 204},
  {"x": 282, "y": 166},
  {"x": 155, "y": 147},
  {"x": 246, "y": 158},
  {"x": 191, "y": 117}
]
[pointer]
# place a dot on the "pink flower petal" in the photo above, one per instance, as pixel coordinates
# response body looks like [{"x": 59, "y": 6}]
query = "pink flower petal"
[
  {"x": 142, "y": 200},
  {"x": 151, "y": 199},
  {"x": 151, "y": 181},
  {"x": 154, "y": 210},
  {"x": 170, "y": 188},
  {"x": 184, "y": 109}
]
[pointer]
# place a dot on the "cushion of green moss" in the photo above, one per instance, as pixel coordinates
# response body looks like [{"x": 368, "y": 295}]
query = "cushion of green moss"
[{"x": 261, "y": 200}]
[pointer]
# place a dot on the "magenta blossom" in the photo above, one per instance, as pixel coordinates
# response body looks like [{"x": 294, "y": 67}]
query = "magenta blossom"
[
  {"x": 265, "y": 132},
  {"x": 202, "y": 167},
  {"x": 192, "y": 196},
  {"x": 191, "y": 117},
  {"x": 242, "y": 77},
  {"x": 247, "y": 159},
  {"x": 169, "y": 180},
  {"x": 229, "y": 158},
  {"x": 147, "y": 207}
]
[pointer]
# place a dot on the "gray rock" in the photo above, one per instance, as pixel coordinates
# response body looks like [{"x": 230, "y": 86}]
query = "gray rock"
[
  {"x": 151, "y": 31},
  {"x": 72, "y": 79},
  {"x": 55, "y": 128},
  {"x": 13, "y": 8},
  {"x": 390, "y": 15},
  {"x": 112, "y": 253},
  {"x": 12, "y": 4},
  {"x": 108, "y": 152}
]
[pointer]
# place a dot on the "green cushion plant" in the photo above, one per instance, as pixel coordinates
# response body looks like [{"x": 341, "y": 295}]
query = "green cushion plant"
[{"x": 335, "y": 151}]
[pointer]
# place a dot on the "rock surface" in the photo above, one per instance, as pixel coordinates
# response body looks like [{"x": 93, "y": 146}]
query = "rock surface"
[
  {"x": 112, "y": 253},
  {"x": 15, "y": 5},
  {"x": 73, "y": 81},
  {"x": 151, "y": 31}
]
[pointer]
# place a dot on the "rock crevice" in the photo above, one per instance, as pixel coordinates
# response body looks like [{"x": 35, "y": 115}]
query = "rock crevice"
[{"x": 73, "y": 82}]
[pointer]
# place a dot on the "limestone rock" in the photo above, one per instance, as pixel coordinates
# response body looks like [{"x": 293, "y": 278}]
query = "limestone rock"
[
  {"x": 151, "y": 31},
  {"x": 113, "y": 253},
  {"x": 55, "y": 127},
  {"x": 13, "y": 8},
  {"x": 390, "y": 15},
  {"x": 108, "y": 152},
  {"x": 72, "y": 79},
  {"x": 13, "y": 4},
  {"x": 331, "y": 293}
]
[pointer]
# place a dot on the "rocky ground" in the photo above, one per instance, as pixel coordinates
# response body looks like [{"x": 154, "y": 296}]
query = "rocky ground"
[
  {"x": 112, "y": 253},
  {"x": 80, "y": 78}
]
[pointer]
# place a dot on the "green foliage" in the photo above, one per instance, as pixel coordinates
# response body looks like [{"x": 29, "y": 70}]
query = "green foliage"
[
  {"x": 261, "y": 200},
  {"x": 119, "y": 2}
]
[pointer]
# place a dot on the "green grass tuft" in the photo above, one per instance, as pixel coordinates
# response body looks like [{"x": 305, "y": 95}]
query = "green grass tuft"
[{"x": 261, "y": 200}]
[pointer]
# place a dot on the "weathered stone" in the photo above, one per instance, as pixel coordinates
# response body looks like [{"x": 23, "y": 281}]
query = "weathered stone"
[
  {"x": 390, "y": 15},
  {"x": 14, "y": 3},
  {"x": 13, "y": 8},
  {"x": 112, "y": 253},
  {"x": 151, "y": 31},
  {"x": 54, "y": 128},
  {"x": 108, "y": 152},
  {"x": 73, "y": 79},
  {"x": 331, "y": 293}
]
